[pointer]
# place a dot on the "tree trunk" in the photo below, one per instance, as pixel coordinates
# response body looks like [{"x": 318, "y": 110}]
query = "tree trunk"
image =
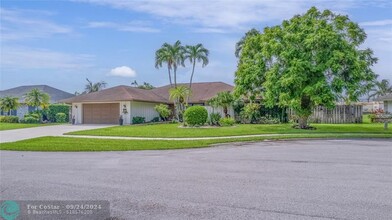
[
  {"x": 170, "y": 80},
  {"x": 190, "y": 82},
  {"x": 225, "y": 111},
  {"x": 175, "y": 76}
]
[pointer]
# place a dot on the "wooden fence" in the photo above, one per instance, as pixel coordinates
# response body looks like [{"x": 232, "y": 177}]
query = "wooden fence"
[{"x": 341, "y": 114}]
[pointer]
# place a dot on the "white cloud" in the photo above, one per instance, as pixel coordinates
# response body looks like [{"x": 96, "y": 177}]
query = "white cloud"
[
  {"x": 134, "y": 26},
  {"x": 377, "y": 23},
  {"x": 16, "y": 57},
  {"x": 19, "y": 24},
  {"x": 123, "y": 71}
]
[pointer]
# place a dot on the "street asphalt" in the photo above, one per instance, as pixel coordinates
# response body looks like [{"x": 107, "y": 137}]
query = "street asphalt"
[{"x": 303, "y": 179}]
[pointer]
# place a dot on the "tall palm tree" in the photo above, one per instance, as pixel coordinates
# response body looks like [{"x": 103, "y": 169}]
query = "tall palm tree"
[
  {"x": 36, "y": 98},
  {"x": 381, "y": 88},
  {"x": 196, "y": 53},
  {"x": 94, "y": 87},
  {"x": 9, "y": 103},
  {"x": 173, "y": 56},
  {"x": 180, "y": 96},
  {"x": 240, "y": 44}
]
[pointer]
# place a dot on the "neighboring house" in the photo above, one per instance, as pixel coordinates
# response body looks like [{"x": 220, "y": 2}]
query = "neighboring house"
[
  {"x": 369, "y": 107},
  {"x": 21, "y": 91},
  {"x": 106, "y": 106},
  {"x": 387, "y": 99}
]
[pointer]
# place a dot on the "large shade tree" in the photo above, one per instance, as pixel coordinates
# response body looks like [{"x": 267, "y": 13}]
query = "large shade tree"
[
  {"x": 37, "y": 98},
  {"x": 173, "y": 56},
  {"x": 312, "y": 59},
  {"x": 196, "y": 53},
  {"x": 240, "y": 44},
  {"x": 94, "y": 87},
  {"x": 9, "y": 103}
]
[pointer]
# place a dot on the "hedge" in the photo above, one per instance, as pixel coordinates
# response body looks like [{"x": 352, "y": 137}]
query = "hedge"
[
  {"x": 9, "y": 119},
  {"x": 61, "y": 117},
  {"x": 196, "y": 115},
  {"x": 58, "y": 108}
]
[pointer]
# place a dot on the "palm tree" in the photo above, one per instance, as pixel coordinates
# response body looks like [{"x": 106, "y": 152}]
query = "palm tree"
[
  {"x": 9, "y": 103},
  {"x": 381, "y": 88},
  {"x": 240, "y": 44},
  {"x": 180, "y": 96},
  {"x": 94, "y": 87},
  {"x": 173, "y": 56},
  {"x": 225, "y": 100},
  {"x": 36, "y": 98},
  {"x": 196, "y": 53}
]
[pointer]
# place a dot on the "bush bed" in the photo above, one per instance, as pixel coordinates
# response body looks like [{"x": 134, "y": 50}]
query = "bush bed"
[
  {"x": 138, "y": 120},
  {"x": 9, "y": 119},
  {"x": 61, "y": 117},
  {"x": 227, "y": 122},
  {"x": 58, "y": 108},
  {"x": 196, "y": 115}
]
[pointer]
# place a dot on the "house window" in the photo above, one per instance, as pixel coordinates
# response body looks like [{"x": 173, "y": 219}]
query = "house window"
[{"x": 14, "y": 112}]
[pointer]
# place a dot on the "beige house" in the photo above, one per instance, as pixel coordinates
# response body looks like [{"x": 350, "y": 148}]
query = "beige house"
[
  {"x": 387, "y": 99},
  {"x": 108, "y": 105}
]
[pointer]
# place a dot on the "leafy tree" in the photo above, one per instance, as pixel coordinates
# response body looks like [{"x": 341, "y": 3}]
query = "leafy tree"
[
  {"x": 180, "y": 96},
  {"x": 36, "y": 98},
  {"x": 380, "y": 88},
  {"x": 9, "y": 103},
  {"x": 224, "y": 100},
  {"x": 312, "y": 59},
  {"x": 163, "y": 111},
  {"x": 145, "y": 85},
  {"x": 94, "y": 87},
  {"x": 173, "y": 56},
  {"x": 196, "y": 53},
  {"x": 239, "y": 45}
]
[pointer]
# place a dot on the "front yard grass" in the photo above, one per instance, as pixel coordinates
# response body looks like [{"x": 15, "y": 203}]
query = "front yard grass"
[
  {"x": 173, "y": 130},
  {"x": 94, "y": 144},
  {"x": 11, "y": 126}
]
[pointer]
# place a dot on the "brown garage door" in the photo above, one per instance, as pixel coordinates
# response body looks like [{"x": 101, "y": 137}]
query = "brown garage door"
[{"x": 107, "y": 113}]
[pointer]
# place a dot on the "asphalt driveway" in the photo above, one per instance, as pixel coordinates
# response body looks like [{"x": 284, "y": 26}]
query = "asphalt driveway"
[
  {"x": 323, "y": 179},
  {"x": 52, "y": 130}
]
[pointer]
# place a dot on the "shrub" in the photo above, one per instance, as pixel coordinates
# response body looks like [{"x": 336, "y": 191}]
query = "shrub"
[
  {"x": 268, "y": 120},
  {"x": 34, "y": 115},
  {"x": 138, "y": 120},
  {"x": 30, "y": 120},
  {"x": 227, "y": 122},
  {"x": 251, "y": 112},
  {"x": 196, "y": 115},
  {"x": 9, "y": 119},
  {"x": 163, "y": 111},
  {"x": 53, "y": 109},
  {"x": 214, "y": 118},
  {"x": 61, "y": 117},
  {"x": 155, "y": 119}
]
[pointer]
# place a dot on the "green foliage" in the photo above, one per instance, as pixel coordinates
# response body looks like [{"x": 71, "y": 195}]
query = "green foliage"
[
  {"x": 196, "y": 115},
  {"x": 9, "y": 103},
  {"x": 240, "y": 44},
  {"x": 268, "y": 120},
  {"x": 226, "y": 122},
  {"x": 9, "y": 119},
  {"x": 145, "y": 85},
  {"x": 173, "y": 56},
  {"x": 30, "y": 120},
  {"x": 180, "y": 96},
  {"x": 163, "y": 111},
  {"x": 222, "y": 99},
  {"x": 155, "y": 119},
  {"x": 94, "y": 87},
  {"x": 61, "y": 117},
  {"x": 53, "y": 109},
  {"x": 195, "y": 54},
  {"x": 36, "y": 98},
  {"x": 138, "y": 120},
  {"x": 35, "y": 115},
  {"x": 251, "y": 112},
  {"x": 312, "y": 59},
  {"x": 214, "y": 118}
]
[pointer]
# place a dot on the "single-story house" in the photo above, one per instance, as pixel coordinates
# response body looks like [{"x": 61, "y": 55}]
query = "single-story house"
[
  {"x": 387, "y": 99},
  {"x": 108, "y": 105},
  {"x": 21, "y": 91}
]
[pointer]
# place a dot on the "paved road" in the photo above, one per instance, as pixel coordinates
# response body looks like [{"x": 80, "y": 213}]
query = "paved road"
[
  {"x": 52, "y": 130},
  {"x": 326, "y": 179}
]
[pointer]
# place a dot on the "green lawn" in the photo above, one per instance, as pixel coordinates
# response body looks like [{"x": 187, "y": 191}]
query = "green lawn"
[
  {"x": 90, "y": 144},
  {"x": 11, "y": 126},
  {"x": 173, "y": 130}
]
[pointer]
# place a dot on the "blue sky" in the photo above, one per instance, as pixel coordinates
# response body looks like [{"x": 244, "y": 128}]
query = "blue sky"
[{"x": 60, "y": 43}]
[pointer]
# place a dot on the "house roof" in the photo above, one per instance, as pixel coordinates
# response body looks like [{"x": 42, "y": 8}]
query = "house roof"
[
  {"x": 21, "y": 91},
  {"x": 387, "y": 97},
  {"x": 201, "y": 92}
]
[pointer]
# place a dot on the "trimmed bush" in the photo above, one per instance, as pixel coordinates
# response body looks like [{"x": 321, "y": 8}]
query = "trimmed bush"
[
  {"x": 61, "y": 117},
  {"x": 163, "y": 111},
  {"x": 138, "y": 120},
  {"x": 226, "y": 122},
  {"x": 214, "y": 118},
  {"x": 30, "y": 120},
  {"x": 155, "y": 119},
  {"x": 9, "y": 119},
  {"x": 196, "y": 115},
  {"x": 53, "y": 109}
]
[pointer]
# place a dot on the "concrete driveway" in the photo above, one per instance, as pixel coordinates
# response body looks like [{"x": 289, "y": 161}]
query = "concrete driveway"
[
  {"x": 323, "y": 179},
  {"x": 51, "y": 130}
]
